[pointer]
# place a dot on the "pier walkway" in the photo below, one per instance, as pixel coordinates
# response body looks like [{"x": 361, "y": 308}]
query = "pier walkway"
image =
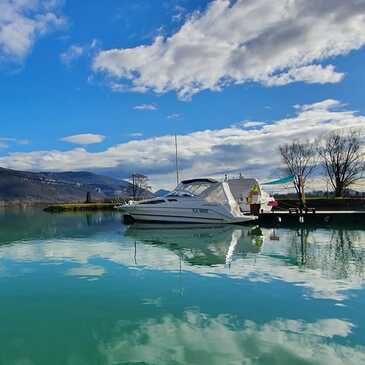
[{"x": 286, "y": 217}]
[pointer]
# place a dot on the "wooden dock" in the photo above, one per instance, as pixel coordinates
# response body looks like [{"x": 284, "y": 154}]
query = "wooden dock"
[{"x": 317, "y": 218}]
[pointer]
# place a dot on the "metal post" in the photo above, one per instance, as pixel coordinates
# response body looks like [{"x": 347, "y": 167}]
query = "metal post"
[{"x": 177, "y": 162}]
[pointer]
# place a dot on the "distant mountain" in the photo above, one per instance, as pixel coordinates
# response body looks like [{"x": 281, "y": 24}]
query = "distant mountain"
[
  {"x": 161, "y": 193},
  {"x": 56, "y": 187}
]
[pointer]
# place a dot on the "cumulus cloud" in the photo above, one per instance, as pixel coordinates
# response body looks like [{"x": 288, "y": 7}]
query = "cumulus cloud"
[
  {"x": 22, "y": 22},
  {"x": 310, "y": 74},
  {"x": 145, "y": 107},
  {"x": 202, "y": 153},
  {"x": 84, "y": 139},
  {"x": 270, "y": 42}
]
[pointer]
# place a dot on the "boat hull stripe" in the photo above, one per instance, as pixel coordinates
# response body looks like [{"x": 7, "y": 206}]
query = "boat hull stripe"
[{"x": 176, "y": 216}]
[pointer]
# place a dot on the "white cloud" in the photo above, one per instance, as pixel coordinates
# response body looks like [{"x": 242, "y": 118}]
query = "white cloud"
[
  {"x": 270, "y": 42},
  {"x": 23, "y": 142},
  {"x": 250, "y": 124},
  {"x": 328, "y": 104},
  {"x": 311, "y": 74},
  {"x": 22, "y": 22},
  {"x": 84, "y": 139},
  {"x": 119, "y": 87},
  {"x": 202, "y": 153},
  {"x": 145, "y": 107},
  {"x": 174, "y": 116},
  {"x": 5, "y": 142},
  {"x": 136, "y": 134},
  {"x": 180, "y": 13},
  {"x": 73, "y": 53}
]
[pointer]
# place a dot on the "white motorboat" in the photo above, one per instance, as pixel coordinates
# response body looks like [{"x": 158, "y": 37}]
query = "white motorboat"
[{"x": 193, "y": 201}]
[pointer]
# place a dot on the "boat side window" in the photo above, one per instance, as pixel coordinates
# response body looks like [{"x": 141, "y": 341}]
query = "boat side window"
[
  {"x": 172, "y": 200},
  {"x": 153, "y": 202},
  {"x": 192, "y": 189},
  {"x": 179, "y": 194}
]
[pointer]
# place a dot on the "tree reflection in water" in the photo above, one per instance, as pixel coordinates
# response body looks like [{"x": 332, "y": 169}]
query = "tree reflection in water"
[
  {"x": 329, "y": 260},
  {"x": 337, "y": 252}
]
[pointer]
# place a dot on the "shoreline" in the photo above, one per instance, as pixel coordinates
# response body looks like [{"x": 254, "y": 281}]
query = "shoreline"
[
  {"x": 319, "y": 204},
  {"x": 79, "y": 207}
]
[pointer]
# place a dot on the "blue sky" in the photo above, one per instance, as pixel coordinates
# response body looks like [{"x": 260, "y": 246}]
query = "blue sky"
[{"x": 104, "y": 86}]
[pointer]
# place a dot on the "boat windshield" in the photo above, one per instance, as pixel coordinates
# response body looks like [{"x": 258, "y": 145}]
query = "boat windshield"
[{"x": 194, "y": 189}]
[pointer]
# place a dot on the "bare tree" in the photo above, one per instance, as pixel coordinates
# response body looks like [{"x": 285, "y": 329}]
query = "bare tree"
[
  {"x": 343, "y": 159},
  {"x": 138, "y": 186},
  {"x": 300, "y": 159}
]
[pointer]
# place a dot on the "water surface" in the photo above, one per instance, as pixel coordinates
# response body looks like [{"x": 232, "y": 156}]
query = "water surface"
[{"x": 85, "y": 289}]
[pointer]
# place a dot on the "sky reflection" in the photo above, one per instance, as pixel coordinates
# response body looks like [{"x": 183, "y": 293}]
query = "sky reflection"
[{"x": 180, "y": 295}]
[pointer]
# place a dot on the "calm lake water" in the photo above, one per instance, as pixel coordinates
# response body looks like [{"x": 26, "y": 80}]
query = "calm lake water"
[{"x": 85, "y": 289}]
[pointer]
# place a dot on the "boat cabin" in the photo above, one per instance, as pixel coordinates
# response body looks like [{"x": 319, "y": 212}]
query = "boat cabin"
[{"x": 249, "y": 195}]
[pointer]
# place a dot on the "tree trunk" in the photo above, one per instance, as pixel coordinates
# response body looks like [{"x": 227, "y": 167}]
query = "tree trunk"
[
  {"x": 301, "y": 199},
  {"x": 339, "y": 191},
  {"x": 301, "y": 193}
]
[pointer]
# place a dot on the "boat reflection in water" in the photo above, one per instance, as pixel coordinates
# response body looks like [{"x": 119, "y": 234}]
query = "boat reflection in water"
[{"x": 200, "y": 245}]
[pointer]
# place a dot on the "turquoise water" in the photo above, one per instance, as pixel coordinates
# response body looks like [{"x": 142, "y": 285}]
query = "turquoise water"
[{"x": 85, "y": 289}]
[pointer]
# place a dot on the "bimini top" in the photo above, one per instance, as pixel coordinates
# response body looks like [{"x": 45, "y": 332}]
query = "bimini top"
[
  {"x": 203, "y": 180},
  {"x": 193, "y": 187}
]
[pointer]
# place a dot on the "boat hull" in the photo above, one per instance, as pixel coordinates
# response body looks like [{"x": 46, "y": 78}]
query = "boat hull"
[
  {"x": 132, "y": 216},
  {"x": 189, "y": 209}
]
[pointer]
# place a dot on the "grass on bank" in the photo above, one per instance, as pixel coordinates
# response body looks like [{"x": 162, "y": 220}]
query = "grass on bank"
[{"x": 76, "y": 207}]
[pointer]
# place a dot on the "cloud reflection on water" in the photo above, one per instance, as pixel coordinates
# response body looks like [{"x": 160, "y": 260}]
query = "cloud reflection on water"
[
  {"x": 327, "y": 262},
  {"x": 142, "y": 322},
  {"x": 199, "y": 339}
]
